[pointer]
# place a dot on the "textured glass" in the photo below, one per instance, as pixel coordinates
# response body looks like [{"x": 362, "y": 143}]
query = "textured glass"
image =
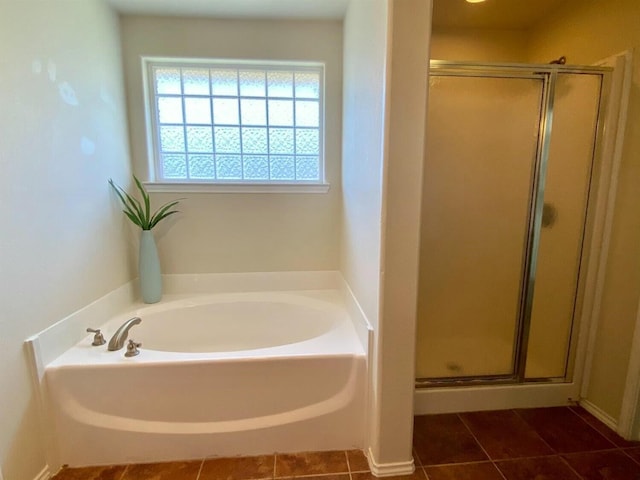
[
  {"x": 281, "y": 113},
  {"x": 199, "y": 139},
  {"x": 280, "y": 84},
  {"x": 224, "y": 82},
  {"x": 172, "y": 139},
  {"x": 174, "y": 166},
  {"x": 307, "y": 114},
  {"x": 468, "y": 304},
  {"x": 283, "y": 168},
  {"x": 170, "y": 110},
  {"x": 195, "y": 81},
  {"x": 225, "y": 111},
  {"x": 254, "y": 112},
  {"x": 256, "y": 167},
  {"x": 307, "y": 168},
  {"x": 229, "y": 167},
  {"x": 307, "y": 85},
  {"x": 252, "y": 83},
  {"x": 202, "y": 167},
  {"x": 254, "y": 140},
  {"x": 197, "y": 110},
  {"x": 227, "y": 139},
  {"x": 281, "y": 140},
  {"x": 168, "y": 80},
  {"x": 307, "y": 141}
]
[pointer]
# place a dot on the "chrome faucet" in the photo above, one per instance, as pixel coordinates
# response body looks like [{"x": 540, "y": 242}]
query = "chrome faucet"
[{"x": 118, "y": 339}]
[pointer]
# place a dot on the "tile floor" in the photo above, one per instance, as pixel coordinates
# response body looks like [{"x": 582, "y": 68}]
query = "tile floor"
[{"x": 560, "y": 443}]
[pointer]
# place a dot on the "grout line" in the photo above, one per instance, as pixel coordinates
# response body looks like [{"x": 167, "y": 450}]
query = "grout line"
[
  {"x": 474, "y": 437},
  {"x": 346, "y": 455},
  {"x": 562, "y": 459},
  {"x": 481, "y": 446},
  {"x": 200, "y": 470},
  {"x": 632, "y": 458},
  {"x": 535, "y": 430},
  {"x": 124, "y": 472},
  {"x": 593, "y": 427},
  {"x": 424, "y": 470},
  {"x": 314, "y": 475},
  {"x": 273, "y": 473}
]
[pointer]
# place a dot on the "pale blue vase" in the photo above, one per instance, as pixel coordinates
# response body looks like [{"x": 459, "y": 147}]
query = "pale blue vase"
[{"x": 149, "y": 269}]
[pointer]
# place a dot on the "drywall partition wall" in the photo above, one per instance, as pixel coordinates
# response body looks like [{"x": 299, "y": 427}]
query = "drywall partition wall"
[
  {"x": 402, "y": 193},
  {"x": 63, "y": 239},
  {"x": 225, "y": 232},
  {"x": 365, "y": 50},
  {"x": 385, "y": 125},
  {"x": 479, "y": 45},
  {"x": 586, "y": 32}
]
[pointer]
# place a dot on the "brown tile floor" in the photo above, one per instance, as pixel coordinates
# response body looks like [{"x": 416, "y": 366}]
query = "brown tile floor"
[{"x": 560, "y": 443}]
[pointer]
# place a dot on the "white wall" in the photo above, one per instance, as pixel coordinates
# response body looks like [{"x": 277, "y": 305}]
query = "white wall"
[
  {"x": 385, "y": 84},
  {"x": 402, "y": 194},
  {"x": 226, "y": 232},
  {"x": 365, "y": 52},
  {"x": 62, "y": 241}
]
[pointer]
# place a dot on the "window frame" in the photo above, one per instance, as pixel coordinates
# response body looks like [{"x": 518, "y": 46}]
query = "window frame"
[{"x": 152, "y": 126}]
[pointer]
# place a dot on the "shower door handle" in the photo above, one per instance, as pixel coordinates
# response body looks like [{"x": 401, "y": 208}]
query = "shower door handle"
[{"x": 549, "y": 215}]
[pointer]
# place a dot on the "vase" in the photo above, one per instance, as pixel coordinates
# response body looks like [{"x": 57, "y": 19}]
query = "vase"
[{"x": 149, "y": 269}]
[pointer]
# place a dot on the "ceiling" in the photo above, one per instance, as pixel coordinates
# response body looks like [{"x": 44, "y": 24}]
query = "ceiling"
[
  {"x": 511, "y": 14},
  {"x": 320, "y": 9}
]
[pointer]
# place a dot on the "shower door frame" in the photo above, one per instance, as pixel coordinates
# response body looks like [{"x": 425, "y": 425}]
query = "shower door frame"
[{"x": 548, "y": 74}]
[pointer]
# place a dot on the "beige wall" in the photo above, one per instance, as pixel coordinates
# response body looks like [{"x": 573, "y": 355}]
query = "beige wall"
[
  {"x": 587, "y": 31},
  {"x": 62, "y": 242},
  {"x": 479, "y": 45},
  {"x": 224, "y": 232}
]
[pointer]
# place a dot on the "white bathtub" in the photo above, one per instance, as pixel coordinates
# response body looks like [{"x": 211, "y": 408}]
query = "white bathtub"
[{"x": 218, "y": 375}]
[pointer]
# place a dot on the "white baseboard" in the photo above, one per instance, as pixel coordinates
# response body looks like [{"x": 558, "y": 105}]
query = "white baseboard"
[
  {"x": 389, "y": 469},
  {"x": 600, "y": 414},
  {"x": 44, "y": 474}
]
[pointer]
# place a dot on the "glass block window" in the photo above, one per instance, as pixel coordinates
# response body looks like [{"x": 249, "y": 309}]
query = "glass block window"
[{"x": 236, "y": 123}]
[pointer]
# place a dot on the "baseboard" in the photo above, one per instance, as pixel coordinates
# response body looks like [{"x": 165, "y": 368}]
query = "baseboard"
[
  {"x": 600, "y": 414},
  {"x": 389, "y": 469},
  {"x": 44, "y": 474}
]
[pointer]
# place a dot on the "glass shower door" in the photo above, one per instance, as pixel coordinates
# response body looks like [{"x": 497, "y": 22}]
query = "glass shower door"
[
  {"x": 482, "y": 143},
  {"x": 560, "y": 252}
]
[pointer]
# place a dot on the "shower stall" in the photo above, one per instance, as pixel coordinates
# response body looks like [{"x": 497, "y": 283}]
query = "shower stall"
[{"x": 509, "y": 189}]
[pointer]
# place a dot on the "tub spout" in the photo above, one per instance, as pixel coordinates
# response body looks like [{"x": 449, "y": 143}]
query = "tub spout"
[{"x": 118, "y": 339}]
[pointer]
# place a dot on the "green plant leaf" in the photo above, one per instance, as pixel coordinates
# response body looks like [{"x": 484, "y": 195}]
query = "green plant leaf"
[
  {"x": 147, "y": 202},
  {"x": 165, "y": 215},
  {"x": 160, "y": 213},
  {"x": 140, "y": 213},
  {"x": 133, "y": 218}
]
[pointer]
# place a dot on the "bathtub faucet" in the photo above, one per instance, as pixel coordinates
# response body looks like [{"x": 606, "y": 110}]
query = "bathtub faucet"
[{"x": 118, "y": 339}]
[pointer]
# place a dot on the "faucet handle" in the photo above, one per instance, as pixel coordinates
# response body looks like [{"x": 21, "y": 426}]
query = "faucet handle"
[
  {"x": 132, "y": 348},
  {"x": 98, "y": 338}
]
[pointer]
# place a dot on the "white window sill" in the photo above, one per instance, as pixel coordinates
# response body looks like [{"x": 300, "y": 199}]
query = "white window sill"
[{"x": 194, "y": 187}]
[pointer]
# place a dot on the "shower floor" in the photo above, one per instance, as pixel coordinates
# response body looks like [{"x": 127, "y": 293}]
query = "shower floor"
[
  {"x": 559, "y": 443},
  {"x": 473, "y": 356}
]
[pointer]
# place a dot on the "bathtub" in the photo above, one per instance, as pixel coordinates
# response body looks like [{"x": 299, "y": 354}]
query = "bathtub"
[{"x": 218, "y": 375}]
